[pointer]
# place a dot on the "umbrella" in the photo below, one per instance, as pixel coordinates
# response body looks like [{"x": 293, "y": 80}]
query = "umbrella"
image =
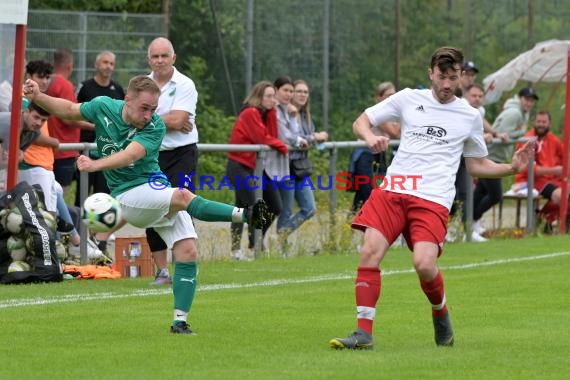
[{"x": 547, "y": 62}]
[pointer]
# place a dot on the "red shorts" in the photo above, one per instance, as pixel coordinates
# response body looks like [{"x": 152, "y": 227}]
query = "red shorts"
[{"x": 393, "y": 214}]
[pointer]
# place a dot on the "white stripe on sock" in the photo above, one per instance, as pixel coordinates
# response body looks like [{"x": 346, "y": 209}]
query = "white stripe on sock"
[
  {"x": 440, "y": 306},
  {"x": 365, "y": 312}
]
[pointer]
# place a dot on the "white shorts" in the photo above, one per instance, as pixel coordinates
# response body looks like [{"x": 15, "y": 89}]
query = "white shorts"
[
  {"x": 144, "y": 207},
  {"x": 46, "y": 179}
]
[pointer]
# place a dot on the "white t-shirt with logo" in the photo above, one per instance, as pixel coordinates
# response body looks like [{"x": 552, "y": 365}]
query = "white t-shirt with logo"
[{"x": 433, "y": 137}]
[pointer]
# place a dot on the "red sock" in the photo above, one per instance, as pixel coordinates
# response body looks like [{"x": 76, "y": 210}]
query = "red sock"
[
  {"x": 367, "y": 290},
  {"x": 550, "y": 212},
  {"x": 434, "y": 291}
]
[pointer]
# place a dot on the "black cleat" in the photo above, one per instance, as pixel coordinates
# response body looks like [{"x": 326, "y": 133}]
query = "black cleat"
[
  {"x": 181, "y": 328},
  {"x": 358, "y": 340},
  {"x": 443, "y": 331}
]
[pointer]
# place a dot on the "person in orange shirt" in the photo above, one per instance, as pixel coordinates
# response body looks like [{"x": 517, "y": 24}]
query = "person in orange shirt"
[
  {"x": 37, "y": 165},
  {"x": 547, "y": 168}
]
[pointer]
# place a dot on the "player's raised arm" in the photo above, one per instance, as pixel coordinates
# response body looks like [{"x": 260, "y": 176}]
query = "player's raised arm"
[
  {"x": 484, "y": 168},
  {"x": 132, "y": 153},
  {"x": 61, "y": 108}
]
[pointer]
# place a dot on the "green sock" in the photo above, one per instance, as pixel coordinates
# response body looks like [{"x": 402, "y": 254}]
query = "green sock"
[
  {"x": 210, "y": 211},
  {"x": 184, "y": 284}
]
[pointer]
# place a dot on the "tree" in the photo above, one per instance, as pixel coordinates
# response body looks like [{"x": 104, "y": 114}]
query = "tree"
[{"x": 132, "y": 6}]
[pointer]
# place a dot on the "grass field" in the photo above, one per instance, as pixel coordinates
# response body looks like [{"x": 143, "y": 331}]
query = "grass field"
[{"x": 272, "y": 319}]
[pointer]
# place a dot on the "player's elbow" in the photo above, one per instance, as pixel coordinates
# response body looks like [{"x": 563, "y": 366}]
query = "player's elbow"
[
  {"x": 474, "y": 167},
  {"x": 360, "y": 124}
]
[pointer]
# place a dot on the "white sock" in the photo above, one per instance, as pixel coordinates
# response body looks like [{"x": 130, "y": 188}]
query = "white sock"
[
  {"x": 180, "y": 315},
  {"x": 237, "y": 215}
]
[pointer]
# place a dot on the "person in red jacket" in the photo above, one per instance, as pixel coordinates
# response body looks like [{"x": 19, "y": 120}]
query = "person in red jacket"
[
  {"x": 256, "y": 124},
  {"x": 547, "y": 168}
]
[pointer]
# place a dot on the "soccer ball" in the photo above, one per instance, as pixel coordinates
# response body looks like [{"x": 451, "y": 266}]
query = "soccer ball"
[
  {"x": 13, "y": 221},
  {"x": 19, "y": 266},
  {"x": 17, "y": 248},
  {"x": 60, "y": 250},
  {"x": 50, "y": 220},
  {"x": 31, "y": 247},
  {"x": 101, "y": 212}
]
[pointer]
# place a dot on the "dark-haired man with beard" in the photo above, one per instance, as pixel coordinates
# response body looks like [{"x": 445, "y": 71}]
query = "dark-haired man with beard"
[
  {"x": 437, "y": 129},
  {"x": 547, "y": 167}
]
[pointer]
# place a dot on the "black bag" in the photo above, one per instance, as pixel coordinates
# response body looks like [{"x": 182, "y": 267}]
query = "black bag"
[
  {"x": 301, "y": 168},
  {"x": 43, "y": 260}
]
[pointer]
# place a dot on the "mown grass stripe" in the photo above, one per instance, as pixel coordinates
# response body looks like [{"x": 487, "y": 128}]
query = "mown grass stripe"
[{"x": 214, "y": 287}]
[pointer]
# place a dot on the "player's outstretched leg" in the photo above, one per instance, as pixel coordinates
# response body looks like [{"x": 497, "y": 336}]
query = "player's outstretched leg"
[{"x": 211, "y": 211}]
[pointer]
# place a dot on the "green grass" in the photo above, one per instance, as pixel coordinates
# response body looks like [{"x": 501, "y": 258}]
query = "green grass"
[{"x": 272, "y": 319}]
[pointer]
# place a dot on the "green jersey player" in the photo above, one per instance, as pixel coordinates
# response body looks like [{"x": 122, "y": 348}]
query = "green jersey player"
[{"x": 128, "y": 137}]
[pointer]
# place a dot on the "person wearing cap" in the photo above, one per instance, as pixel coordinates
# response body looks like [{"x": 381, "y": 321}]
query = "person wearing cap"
[
  {"x": 511, "y": 121},
  {"x": 468, "y": 76}
]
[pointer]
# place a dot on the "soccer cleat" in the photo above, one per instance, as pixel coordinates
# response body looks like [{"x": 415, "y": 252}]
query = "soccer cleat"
[
  {"x": 93, "y": 252},
  {"x": 443, "y": 331},
  {"x": 478, "y": 227},
  {"x": 358, "y": 340},
  {"x": 258, "y": 215},
  {"x": 478, "y": 238},
  {"x": 162, "y": 280},
  {"x": 181, "y": 327},
  {"x": 240, "y": 256}
]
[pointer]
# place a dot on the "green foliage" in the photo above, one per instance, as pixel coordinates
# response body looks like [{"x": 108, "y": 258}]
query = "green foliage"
[
  {"x": 288, "y": 39},
  {"x": 213, "y": 125},
  {"x": 194, "y": 34},
  {"x": 133, "y": 6}
]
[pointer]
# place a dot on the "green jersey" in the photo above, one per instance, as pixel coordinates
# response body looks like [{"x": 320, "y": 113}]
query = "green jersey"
[{"x": 113, "y": 135}]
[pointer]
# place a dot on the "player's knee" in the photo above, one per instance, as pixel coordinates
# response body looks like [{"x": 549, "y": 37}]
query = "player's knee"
[
  {"x": 424, "y": 267},
  {"x": 556, "y": 196},
  {"x": 182, "y": 198},
  {"x": 370, "y": 253},
  {"x": 185, "y": 250}
]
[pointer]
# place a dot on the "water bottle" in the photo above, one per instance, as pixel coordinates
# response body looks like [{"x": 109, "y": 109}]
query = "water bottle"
[{"x": 134, "y": 253}]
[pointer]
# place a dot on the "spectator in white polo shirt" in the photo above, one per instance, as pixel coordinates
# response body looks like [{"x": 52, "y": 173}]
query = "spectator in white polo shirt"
[{"x": 178, "y": 152}]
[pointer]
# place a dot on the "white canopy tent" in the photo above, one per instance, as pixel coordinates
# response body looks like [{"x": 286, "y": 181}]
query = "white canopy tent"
[{"x": 547, "y": 62}]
